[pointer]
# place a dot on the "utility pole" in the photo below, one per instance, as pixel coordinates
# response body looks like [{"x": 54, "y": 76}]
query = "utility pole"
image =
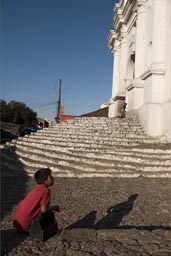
[{"x": 59, "y": 101}]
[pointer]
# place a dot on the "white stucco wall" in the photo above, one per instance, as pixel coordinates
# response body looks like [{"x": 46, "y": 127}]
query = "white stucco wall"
[{"x": 142, "y": 30}]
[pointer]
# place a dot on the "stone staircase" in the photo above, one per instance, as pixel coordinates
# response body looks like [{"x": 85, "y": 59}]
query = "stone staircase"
[{"x": 90, "y": 147}]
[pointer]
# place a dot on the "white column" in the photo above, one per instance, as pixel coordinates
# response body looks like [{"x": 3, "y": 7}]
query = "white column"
[
  {"x": 123, "y": 62},
  {"x": 113, "y": 104},
  {"x": 116, "y": 60},
  {"x": 119, "y": 73},
  {"x": 159, "y": 30},
  {"x": 140, "y": 42}
]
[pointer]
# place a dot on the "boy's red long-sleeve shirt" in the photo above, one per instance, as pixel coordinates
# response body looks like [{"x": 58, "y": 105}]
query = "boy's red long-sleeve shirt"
[{"x": 30, "y": 206}]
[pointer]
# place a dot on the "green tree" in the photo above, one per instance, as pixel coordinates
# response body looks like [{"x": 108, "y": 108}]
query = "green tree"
[
  {"x": 5, "y": 111},
  {"x": 17, "y": 113}
]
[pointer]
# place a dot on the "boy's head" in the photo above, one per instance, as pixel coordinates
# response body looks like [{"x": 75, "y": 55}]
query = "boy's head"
[{"x": 44, "y": 176}]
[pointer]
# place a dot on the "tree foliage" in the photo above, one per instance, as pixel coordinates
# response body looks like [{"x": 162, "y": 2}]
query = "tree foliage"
[{"x": 17, "y": 113}]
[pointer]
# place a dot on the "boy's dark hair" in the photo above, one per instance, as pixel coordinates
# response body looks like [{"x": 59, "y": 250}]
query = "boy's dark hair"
[{"x": 42, "y": 174}]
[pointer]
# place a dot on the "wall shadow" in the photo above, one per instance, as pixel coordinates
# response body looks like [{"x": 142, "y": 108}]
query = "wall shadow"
[
  {"x": 10, "y": 238},
  {"x": 13, "y": 190},
  {"x": 6, "y": 136}
]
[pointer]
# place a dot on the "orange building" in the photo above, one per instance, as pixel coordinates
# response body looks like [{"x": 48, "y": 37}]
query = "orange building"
[{"x": 62, "y": 117}]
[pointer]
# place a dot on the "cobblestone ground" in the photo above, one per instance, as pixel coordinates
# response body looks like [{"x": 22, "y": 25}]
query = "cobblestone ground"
[{"x": 98, "y": 216}]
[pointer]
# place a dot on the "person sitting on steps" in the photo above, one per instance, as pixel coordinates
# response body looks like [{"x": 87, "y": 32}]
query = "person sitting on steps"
[
  {"x": 123, "y": 111},
  {"x": 36, "y": 202}
]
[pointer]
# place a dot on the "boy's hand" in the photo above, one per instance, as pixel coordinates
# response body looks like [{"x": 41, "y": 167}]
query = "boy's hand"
[{"x": 46, "y": 208}]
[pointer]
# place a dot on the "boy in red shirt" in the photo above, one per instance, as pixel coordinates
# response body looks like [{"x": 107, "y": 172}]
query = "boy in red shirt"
[{"x": 36, "y": 202}]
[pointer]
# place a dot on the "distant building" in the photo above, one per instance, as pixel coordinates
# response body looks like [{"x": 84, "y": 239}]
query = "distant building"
[
  {"x": 63, "y": 117},
  {"x": 141, "y": 45}
]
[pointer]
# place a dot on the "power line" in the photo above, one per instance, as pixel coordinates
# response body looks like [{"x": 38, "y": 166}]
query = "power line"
[{"x": 45, "y": 105}]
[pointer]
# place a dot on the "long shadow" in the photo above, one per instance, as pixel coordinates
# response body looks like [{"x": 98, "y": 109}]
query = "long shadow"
[
  {"x": 86, "y": 222},
  {"x": 148, "y": 228},
  {"x": 112, "y": 219},
  {"x": 116, "y": 213},
  {"x": 13, "y": 190}
]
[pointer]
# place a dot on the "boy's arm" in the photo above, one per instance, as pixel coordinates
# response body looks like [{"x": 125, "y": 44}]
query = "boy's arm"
[
  {"x": 46, "y": 208},
  {"x": 45, "y": 202}
]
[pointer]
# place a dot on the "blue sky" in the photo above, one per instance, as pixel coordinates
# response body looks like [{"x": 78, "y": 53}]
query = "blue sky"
[{"x": 45, "y": 40}]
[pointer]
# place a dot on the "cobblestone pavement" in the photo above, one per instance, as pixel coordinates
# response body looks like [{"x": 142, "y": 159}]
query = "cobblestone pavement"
[{"x": 98, "y": 216}]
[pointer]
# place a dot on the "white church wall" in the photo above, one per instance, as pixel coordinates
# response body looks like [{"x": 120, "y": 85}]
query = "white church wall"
[
  {"x": 155, "y": 114},
  {"x": 166, "y": 113},
  {"x": 142, "y": 63}
]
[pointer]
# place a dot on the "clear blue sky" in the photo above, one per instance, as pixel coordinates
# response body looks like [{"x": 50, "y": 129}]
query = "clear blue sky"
[{"x": 45, "y": 40}]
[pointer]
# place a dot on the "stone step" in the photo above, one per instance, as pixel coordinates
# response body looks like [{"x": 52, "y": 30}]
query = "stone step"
[
  {"x": 164, "y": 160},
  {"x": 100, "y": 128},
  {"x": 95, "y": 149},
  {"x": 151, "y": 150},
  {"x": 86, "y": 165},
  {"x": 103, "y": 152},
  {"x": 85, "y": 132},
  {"x": 91, "y": 136},
  {"x": 129, "y": 151},
  {"x": 91, "y": 123},
  {"x": 87, "y": 136},
  {"x": 95, "y": 141},
  {"x": 90, "y": 147},
  {"x": 60, "y": 147},
  {"x": 96, "y": 128},
  {"x": 81, "y": 174},
  {"x": 105, "y": 120},
  {"x": 105, "y": 123},
  {"x": 76, "y": 144}
]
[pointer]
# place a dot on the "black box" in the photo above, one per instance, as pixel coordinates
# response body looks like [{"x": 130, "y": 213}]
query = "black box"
[{"x": 42, "y": 228}]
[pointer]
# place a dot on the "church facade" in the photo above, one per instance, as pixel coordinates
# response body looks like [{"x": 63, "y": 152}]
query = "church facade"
[{"x": 141, "y": 46}]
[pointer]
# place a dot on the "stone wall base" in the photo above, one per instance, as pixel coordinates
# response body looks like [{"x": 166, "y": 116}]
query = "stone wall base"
[
  {"x": 155, "y": 119},
  {"x": 116, "y": 105}
]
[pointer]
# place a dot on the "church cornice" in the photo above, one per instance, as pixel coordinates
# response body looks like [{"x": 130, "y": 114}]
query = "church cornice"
[
  {"x": 123, "y": 13},
  {"x": 141, "y": 2},
  {"x": 112, "y": 37}
]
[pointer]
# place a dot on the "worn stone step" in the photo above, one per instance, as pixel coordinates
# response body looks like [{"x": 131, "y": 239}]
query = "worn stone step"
[
  {"x": 121, "y": 151},
  {"x": 95, "y": 128},
  {"x": 105, "y": 150},
  {"x": 104, "y": 123},
  {"x": 102, "y": 137},
  {"x": 29, "y": 171},
  {"x": 76, "y": 144},
  {"x": 93, "y": 157},
  {"x": 91, "y": 147},
  {"x": 40, "y": 161},
  {"x": 95, "y": 141}
]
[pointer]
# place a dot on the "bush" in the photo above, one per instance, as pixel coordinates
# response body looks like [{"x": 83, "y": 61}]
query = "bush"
[{"x": 17, "y": 113}]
